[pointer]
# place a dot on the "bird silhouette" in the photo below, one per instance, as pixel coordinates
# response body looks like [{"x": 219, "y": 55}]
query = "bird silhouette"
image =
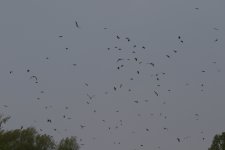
[{"x": 76, "y": 23}]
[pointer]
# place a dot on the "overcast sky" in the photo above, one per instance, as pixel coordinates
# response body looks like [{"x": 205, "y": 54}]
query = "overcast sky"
[{"x": 170, "y": 82}]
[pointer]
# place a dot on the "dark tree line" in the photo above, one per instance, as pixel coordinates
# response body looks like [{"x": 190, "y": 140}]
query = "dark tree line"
[{"x": 30, "y": 139}]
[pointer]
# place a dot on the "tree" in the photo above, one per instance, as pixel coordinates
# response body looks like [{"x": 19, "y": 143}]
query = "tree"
[
  {"x": 30, "y": 139},
  {"x": 218, "y": 142},
  {"x": 68, "y": 144}
]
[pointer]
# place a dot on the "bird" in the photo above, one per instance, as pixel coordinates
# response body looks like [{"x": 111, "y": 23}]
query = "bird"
[
  {"x": 77, "y": 24},
  {"x": 136, "y": 101},
  {"x": 168, "y": 56},
  {"x": 128, "y": 39},
  {"x": 34, "y": 77},
  {"x": 117, "y": 37},
  {"x": 178, "y": 139},
  {"x": 156, "y": 93},
  {"x": 119, "y": 59},
  {"x": 10, "y": 72},
  {"x": 60, "y": 36},
  {"x": 49, "y": 120},
  {"x": 151, "y": 63},
  {"x": 28, "y": 70},
  {"x": 82, "y": 126},
  {"x": 143, "y": 47},
  {"x": 90, "y": 97},
  {"x": 175, "y": 51},
  {"x": 114, "y": 88}
]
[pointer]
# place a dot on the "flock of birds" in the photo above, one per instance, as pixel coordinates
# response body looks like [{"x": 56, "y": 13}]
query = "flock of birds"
[{"x": 131, "y": 58}]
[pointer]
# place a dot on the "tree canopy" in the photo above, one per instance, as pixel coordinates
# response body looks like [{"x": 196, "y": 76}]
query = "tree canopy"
[
  {"x": 30, "y": 139},
  {"x": 218, "y": 142}
]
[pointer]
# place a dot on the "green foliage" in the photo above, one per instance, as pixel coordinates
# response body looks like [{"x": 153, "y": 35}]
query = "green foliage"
[
  {"x": 30, "y": 139},
  {"x": 68, "y": 144},
  {"x": 26, "y": 139},
  {"x": 218, "y": 142}
]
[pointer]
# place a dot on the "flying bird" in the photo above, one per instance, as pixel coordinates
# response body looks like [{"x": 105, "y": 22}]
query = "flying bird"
[
  {"x": 128, "y": 39},
  {"x": 90, "y": 97},
  {"x": 156, "y": 93},
  {"x": 77, "y": 24}
]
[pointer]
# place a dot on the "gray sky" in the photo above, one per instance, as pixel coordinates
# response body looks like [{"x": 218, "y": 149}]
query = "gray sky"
[{"x": 190, "y": 101}]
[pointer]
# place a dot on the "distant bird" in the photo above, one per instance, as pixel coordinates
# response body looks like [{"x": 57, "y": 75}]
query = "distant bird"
[
  {"x": 121, "y": 85},
  {"x": 49, "y": 120},
  {"x": 175, "y": 51},
  {"x": 152, "y": 64},
  {"x": 138, "y": 72},
  {"x": 82, "y": 126},
  {"x": 90, "y": 97},
  {"x": 197, "y": 8},
  {"x": 105, "y": 28},
  {"x": 135, "y": 59},
  {"x": 77, "y": 24},
  {"x": 136, "y": 101},
  {"x": 108, "y": 48},
  {"x": 34, "y": 77},
  {"x": 67, "y": 48},
  {"x": 128, "y": 39},
  {"x": 143, "y": 47},
  {"x": 60, "y": 36},
  {"x": 216, "y": 40},
  {"x": 10, "y": 72},
  {"x": 179, "y": 37},
  {"x": 168, "y": 56},
  {"x": 117, "y": 37},
  {"x": 156, "y": 93},
  {"x": 147, "y": 129},
  {"x": 134, "y": 46},
  {"x": 114, "y": 88},
  {"x": 86, "y": 84},
  {"x": 28, "y": 70},
  {"x": 178, "y": 139}
]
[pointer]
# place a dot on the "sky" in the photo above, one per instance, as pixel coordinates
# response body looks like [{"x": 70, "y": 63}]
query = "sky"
[{"x": 162, "y": 78}]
